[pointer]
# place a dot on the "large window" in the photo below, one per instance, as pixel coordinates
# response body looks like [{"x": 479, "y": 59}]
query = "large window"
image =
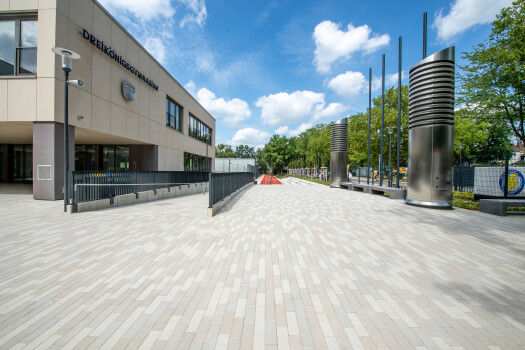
[
  {"x": 18, "y": 44},
  {"x": 199, "y": 130},
  {"x": 193, "y": 162},
  {"x": 173, "y": 115}
]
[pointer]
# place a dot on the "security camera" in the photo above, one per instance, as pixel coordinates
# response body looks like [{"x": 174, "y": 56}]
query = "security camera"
[{"x": 77, "y": 82}]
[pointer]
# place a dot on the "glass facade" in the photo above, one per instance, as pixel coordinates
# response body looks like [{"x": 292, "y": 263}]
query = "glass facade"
[
  {"x": 18, "y": 44},
  {"x": 173, "y": 115},
  {"x": 16, "y": 163},
  {"x": 102, "y": 157},
  {"x": 199, "y": 130},
  {"x": 193, "y": 162}
]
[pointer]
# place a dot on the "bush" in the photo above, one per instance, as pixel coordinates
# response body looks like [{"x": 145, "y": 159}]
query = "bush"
[{"x": 465, "y": 200}]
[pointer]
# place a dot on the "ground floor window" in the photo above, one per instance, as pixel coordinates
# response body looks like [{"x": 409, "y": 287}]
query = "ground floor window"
[
  {"x": 102, "y": 157},
  {"x": 193, "y": 162},
  {"x": 16, "y": 163}
]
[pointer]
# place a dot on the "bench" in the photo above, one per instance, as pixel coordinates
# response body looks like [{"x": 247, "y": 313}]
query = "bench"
[
  {"x": 393, "y": 193},
  {"x": 499, "y": 206}
]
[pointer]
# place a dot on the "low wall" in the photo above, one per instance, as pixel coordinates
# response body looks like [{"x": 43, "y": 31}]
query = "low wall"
[{"x": 140, "y": 197}]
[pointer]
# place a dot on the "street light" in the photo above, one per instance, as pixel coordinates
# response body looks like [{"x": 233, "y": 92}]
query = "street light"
[
  {"x": 460, "y": 149},
  {"x": 390, "y": 156},
  {"x": 67, "y": 64},
  {"x": 318, "y": 167}
]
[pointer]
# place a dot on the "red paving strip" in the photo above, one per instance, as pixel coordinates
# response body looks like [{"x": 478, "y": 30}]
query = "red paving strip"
[{"x": 270, "y": 180}]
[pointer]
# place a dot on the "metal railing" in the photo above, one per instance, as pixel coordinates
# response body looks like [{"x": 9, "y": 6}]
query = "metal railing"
[
  {"x": 463, "y": 179},
  {"x": 224, "y": 184},
  {"x": 86, "y": 186}
]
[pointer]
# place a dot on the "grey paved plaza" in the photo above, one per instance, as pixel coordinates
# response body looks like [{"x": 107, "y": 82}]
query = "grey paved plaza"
[{"x": 293, "y": 266}]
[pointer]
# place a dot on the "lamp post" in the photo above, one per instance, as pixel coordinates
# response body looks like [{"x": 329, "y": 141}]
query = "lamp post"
[
  {"x": 67, "y": 64},
  {"x": 460, "y": 149},
  {"x": 390, "y": 156},
  {"x": 318, "y": 166}
]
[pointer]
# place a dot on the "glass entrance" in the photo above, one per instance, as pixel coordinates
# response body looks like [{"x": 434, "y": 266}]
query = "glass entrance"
[{"x": 16, "y": 163}]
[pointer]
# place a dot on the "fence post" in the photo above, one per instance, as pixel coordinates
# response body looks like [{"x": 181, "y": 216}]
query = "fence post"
[
  {"x": 210, "y": 199},
  {"x": 506, "y": 183}
]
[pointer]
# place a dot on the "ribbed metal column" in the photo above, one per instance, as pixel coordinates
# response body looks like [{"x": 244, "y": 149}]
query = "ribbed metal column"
[
  {"x": 431, "y": 130},
  {"x": 339, "y": 152}
]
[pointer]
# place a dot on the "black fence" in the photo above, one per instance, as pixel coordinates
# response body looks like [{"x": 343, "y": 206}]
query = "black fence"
[
  {"x": 224, "y": 184},
  {"x": 371, "y": 176},
  {"x": 463, "y": 179},
  {"x": 86, "y": 186}
]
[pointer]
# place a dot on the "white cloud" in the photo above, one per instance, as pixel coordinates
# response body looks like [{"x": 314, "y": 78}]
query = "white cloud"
[
  {"x": 333, "y": 110},
  {"x": 354, "y": 83},
  {"x": 156, "y": 48},
  {"x": 332, "y": 43},
  {"x": 198, "y": 7},
  {"x": 284, "y": 108},
  {"x": 249, "y": 136},
  {"x": 191, "y": 87},
  {"x": 348, "y": 84},
  {"x": 145, "y": 10},
  {"x": 301, "y": 128},
  {"x": 465, "y": 14},
  {"x": 390, "y": 80},
  {"x": 282, "y": 130},
  {"x": 231, "y": 112}
]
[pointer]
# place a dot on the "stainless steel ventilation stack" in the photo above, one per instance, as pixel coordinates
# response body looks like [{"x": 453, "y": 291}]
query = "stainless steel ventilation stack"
[
  {"x": 431, "y": 130},
  {"x": 339, "y": 152}
]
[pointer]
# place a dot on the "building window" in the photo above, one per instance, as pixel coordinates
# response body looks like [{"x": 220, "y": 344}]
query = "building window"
[
  {"x": 193, "y": 162},
  {"x": 199, "y": 130},
  {"x": 18, "y": 44},
  {"x": 173, "y": 115}
]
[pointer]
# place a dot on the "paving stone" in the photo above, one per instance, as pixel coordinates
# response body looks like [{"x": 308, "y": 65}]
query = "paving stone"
[{"x": 294, "y": 266}]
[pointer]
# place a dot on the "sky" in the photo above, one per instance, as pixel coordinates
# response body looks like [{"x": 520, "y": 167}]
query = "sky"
[{"x": 280, "y": 67}]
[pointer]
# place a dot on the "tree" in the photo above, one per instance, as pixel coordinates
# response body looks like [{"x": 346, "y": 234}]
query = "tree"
[
  {"x": 480, "y": 140},
  {"x": 259, "y": 158},
  {"x": 244, "y": 151},
  {"x": 224, "y": 151},
  {"x": 276, "y": 153},
  {"x": 493, "y": 81},
  {"x": 358, "y": 131}
]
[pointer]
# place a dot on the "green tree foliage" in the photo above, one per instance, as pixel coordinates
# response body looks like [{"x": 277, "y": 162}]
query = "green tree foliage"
[
  {"x": 493, "y": 81},
  {"x": 481, "y": 140},
  {"x": 244, "y": 151},
  {"x": 308, "y": 145},
  {"x": 259, "y": 158},
  {"x": 276, "y": 153},
  {"x": 224, "y": 151},
  {"x": 358, "y": 131}
]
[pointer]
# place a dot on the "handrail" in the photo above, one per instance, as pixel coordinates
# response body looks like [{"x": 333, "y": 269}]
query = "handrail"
[{"x": 150, "y": 184}]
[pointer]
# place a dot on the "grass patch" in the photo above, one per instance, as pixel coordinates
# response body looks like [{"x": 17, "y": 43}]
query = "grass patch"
[
  {"x": 465, "y": 200},
  {"x": 516, "y": 209}
]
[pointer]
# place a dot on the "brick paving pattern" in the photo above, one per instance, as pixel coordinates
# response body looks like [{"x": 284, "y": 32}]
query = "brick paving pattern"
[{"x": 298, "y": 266}]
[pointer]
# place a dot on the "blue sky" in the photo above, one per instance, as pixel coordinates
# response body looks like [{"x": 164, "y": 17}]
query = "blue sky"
[{"x": 266, "y": 67}]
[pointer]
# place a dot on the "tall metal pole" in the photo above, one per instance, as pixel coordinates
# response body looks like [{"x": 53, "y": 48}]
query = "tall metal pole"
[
  {"x": 424, "y": 35},
  {"x": 382, "y": 122},
  {"x": 399, "y": 112},
  {"x": 390, "y": 156},
  {"x": 318, "y": 167},
  {"x": 66, "y": 140},
  {"x": 369, "y": 120},
  {"x": 506, "y": 181}
]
